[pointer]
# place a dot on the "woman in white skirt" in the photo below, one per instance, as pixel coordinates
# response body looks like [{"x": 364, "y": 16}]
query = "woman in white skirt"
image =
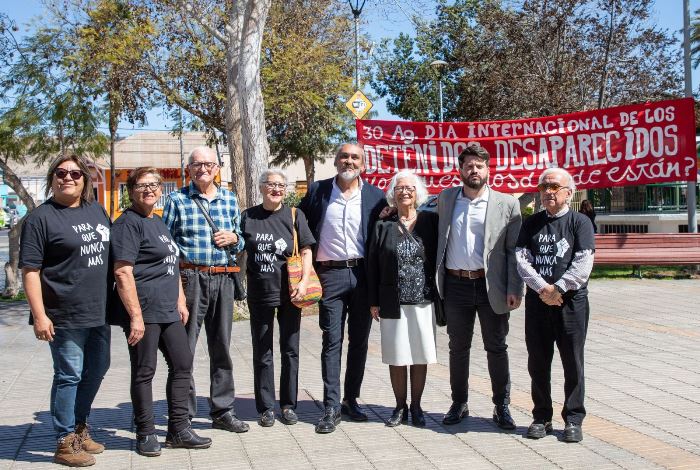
[{"x": 401, "y": 278}]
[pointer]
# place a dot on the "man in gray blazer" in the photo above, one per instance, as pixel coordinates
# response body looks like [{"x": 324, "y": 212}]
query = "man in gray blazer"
[{"x": 477, "y": 274}]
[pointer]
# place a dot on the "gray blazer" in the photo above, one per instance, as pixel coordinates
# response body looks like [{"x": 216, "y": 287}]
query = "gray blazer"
[{"x": 502, "y": 226}]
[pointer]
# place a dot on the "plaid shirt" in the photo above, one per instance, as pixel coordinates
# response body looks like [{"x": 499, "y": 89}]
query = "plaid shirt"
[{"x": 190, "y": 229}]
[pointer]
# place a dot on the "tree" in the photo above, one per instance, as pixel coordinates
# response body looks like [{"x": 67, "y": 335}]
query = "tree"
[
  {"x": 533, "y": 58},
  {"x": 306, "y": 80},
  {"x": 111, "y": 39},
  {"x": 46, "y": 114},
  {"x": 205, "y": 43}
]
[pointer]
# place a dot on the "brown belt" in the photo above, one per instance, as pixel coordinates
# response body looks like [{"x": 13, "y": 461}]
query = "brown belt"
[
  {"x": 211, "y": 269},
  {"x": 463, "y": 273},
  {"x": 346, "y": 263}
]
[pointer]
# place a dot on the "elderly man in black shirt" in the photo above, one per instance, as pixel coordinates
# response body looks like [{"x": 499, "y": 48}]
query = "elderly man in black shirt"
[{"x": 555, "y": 258}]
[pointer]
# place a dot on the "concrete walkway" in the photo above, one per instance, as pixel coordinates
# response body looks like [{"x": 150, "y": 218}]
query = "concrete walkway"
[{"x": 643, "y": 400}]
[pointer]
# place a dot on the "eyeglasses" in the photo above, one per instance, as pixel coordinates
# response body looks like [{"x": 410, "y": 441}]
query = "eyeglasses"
[
  {"x": 61, "y": 173},
  {"x": 405, "y": 189},
  {"x": 147, "y": 186},
  {"x": 198, "y": 165},
  {"x": 550, "y": 187},
  {"x": 271, "y": 185}
]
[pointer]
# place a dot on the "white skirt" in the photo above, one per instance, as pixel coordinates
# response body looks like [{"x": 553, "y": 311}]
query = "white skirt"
[{"x": 410, "y": 339}]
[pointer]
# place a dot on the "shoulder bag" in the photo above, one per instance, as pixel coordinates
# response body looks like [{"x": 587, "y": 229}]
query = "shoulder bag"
[{"x": 294, "y": 271}]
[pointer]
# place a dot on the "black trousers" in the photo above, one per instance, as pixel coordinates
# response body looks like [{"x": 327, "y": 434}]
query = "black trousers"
[
  {"x": 210, "y": 302},
  {"x": 566, "y": 326},
  {"x": 262, "y": 322},
  {"x": 171, "y": 339},
  {"x": 464, "y": 299},
  {"x": 344, "y": 298}
]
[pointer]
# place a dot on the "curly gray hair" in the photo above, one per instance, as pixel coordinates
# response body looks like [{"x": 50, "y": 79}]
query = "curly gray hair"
[{"x": 421, "y": 189}]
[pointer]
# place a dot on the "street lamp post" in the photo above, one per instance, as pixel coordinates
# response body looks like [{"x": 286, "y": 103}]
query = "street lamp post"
[
  {"x": 690, "y": 191},
  {"x": 356, "y": 6},
  {"x": 438, "y": 65}
]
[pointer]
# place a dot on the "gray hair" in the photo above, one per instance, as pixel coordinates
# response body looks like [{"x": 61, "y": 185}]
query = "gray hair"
[
  {"x": 269, "y": 172},
  {"x": 571, "y": 185},
  {"x": 201, "y": 149},
  {"x": 356, "y": 144},
  {"x": 421, "y": 189}
]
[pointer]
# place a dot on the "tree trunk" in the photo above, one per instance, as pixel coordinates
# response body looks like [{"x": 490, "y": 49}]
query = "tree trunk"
[
  {"x": 606, "y": 58},
  {"x": 254, "y": 136},
  {"x": 113, "y": 122},
  {"x": 309, "y": 169},
  {"x": 12, "y": 266},
  {"x": 233, "y": 111}
]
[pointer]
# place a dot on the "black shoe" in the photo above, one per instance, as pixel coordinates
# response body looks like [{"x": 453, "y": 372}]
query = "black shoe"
[
  {"x": 573, "y": 433},
  {"x": 539, "y": 429},
  {"x": 148, "y": 445},
  {"x": 330, "y": 419},
  {"x": 353, "y": 410},
  {"x": 266, "y": 418},
  {"x": 186, "y": 439},
  {"x": 229, "y": 422},
  {"x": 455, "y": 414},
  {"x": 502, "y": 417},
  {"x": 417, "y": 416},
  {"x": 288, "y": 416},
  {"x": 399, "y": 415}
]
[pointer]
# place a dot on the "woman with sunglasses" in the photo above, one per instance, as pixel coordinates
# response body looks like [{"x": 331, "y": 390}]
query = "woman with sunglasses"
[
  {"x": 64, "y": 256},
  {"x": 267, "y": 231},
  {"x": 401, "y": 281},
  {"x": 154, "y": 314}
]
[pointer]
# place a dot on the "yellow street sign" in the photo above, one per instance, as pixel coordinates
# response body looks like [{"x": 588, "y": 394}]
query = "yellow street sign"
[{"x": 359, "y": 104}]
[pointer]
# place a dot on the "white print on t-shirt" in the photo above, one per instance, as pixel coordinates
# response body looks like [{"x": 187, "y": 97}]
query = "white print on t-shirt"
[
  {"x": 91, "y": 246},
  {"x": 103, "y": 231},
  {"x": 546, "y": 259},
  {"x": 562, "y": 247},
  {"x": 280, "y": 245},
  {"x": 170, "y": 260},
  {"x": 264, "y": 256}
]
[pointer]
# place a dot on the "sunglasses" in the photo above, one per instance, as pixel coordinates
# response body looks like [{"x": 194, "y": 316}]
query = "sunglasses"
[
  {"x": 61, "y": 173},
  {"x": 550, "y": 187}
]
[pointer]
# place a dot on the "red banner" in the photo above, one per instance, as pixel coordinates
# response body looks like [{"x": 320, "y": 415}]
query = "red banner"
[{"x": 623, "y": 146}]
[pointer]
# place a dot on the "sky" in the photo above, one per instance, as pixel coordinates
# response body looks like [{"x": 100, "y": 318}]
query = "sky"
[{"x": 387, "y": 20}]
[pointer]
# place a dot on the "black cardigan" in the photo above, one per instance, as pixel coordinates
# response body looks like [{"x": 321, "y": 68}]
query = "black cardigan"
[{"x": 383, "y": 264}]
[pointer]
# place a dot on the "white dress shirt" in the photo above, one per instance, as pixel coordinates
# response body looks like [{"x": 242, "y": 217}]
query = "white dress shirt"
[
  {"x": 465, "y": 244},
  {"x": 341, "y": 231}
]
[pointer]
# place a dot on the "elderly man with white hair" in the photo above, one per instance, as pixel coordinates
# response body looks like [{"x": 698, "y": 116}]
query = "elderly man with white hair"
[
  {"x": 555, "y": 258},
  {"x": 204, "y": 221}
]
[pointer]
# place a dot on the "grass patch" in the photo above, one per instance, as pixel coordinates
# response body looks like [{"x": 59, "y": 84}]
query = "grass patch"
[
  {"x": 19, "y": 297},
  {"x": 647, "y": 272}
]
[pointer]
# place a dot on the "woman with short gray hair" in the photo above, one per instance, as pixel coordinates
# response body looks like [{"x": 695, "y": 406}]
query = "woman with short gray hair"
[{"x": 267, "y": 231}]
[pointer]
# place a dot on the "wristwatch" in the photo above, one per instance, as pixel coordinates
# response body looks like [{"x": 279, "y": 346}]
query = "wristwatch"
[{"x": 559, "y": 289}]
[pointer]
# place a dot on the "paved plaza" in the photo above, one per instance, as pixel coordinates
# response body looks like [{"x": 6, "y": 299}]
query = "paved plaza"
[{"x": 643, "y": 400}]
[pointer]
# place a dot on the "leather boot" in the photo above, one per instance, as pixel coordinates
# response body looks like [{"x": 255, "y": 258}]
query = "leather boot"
[
  {"x": 88, "y": 445},
  {"x": 69, "y": 452}
]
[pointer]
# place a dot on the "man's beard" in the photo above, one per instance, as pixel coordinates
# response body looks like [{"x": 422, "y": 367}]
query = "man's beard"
[
  {"x": 348, "y": 174},
  {"x": 469, "y": 183}
]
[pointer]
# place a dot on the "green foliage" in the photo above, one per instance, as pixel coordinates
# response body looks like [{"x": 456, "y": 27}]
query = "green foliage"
[
  {"x": 292, "y": 199},
  {"x": 521, "y": 59}
]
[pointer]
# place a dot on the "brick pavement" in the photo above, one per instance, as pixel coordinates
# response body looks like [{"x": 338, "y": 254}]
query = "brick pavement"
[{"x": 643, "y": 379}]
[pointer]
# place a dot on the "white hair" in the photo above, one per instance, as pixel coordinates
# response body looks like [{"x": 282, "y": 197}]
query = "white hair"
[
  {"x": 201, "y": 149},
  {"x": 571, "y": 185},
  {"x": 269, "y": 172},
  {"x": 421, "y": 190}
]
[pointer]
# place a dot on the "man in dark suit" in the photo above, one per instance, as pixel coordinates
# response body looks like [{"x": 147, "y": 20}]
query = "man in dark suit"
[
  {"x": 341, "y": 212},
  {"x": 477, "y": 274}
]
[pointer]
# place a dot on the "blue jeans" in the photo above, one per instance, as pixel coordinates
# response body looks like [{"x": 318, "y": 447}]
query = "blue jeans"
[{"x": 80, "y": 361}]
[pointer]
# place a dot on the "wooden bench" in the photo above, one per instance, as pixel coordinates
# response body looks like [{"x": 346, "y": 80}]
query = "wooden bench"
[{"x": 649, "y": 249}]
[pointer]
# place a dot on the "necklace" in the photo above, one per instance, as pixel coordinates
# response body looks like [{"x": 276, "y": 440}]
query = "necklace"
[{"x": 408, "y": 219}]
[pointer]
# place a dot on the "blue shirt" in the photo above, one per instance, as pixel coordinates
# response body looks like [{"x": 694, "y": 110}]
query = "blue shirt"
[{"x": 190, "y": 229}]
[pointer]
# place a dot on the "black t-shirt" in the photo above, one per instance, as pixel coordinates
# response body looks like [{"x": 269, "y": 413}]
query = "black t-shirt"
[
  {"x": 70, "y": 245},
  {"x": 553, "y": 241},
  {"x": 146, "y": 243},
  {"x": 268, "y": 243}
]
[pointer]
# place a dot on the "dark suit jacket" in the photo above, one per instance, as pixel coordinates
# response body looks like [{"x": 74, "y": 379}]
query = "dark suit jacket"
[
  {"x": 383, "y": 264},
  {"x": 315, "y": 203}
]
